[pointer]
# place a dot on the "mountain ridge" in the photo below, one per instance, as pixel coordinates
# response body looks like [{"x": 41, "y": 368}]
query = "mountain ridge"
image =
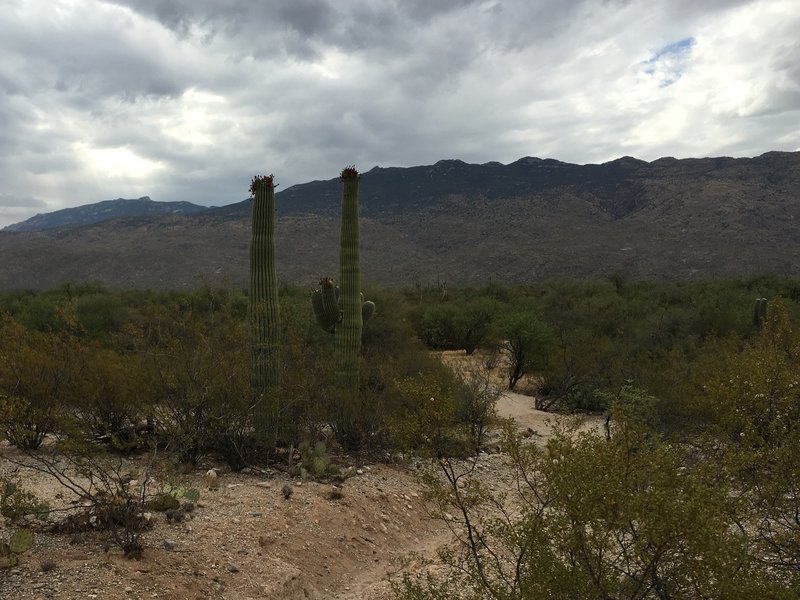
[
  {"x": 529, "y": 220},
  {"x": 104, "y": 210}
]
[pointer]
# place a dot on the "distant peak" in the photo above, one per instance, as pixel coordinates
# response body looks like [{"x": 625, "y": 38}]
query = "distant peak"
[{"x": 626, "y": 160}]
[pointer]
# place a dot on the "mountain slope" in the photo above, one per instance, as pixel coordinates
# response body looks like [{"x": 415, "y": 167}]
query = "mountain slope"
[
  {"x": 104, "y": 211},
  {"x": 461, "y": 224}
]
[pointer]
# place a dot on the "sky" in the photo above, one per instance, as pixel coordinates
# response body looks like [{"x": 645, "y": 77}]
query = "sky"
[{"x": 188, "y": 99}]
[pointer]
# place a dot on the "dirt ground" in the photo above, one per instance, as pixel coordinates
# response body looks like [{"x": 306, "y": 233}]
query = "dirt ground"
[{"x": 245, "y": 540}]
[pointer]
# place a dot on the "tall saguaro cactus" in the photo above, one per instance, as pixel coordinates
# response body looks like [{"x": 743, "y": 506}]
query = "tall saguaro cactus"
[
  {"x": 347, "y": 337},
  {"x": 264, "y": 312},
  {"x": 341, "y": 310},
  {"x": 759, "y": 312}
]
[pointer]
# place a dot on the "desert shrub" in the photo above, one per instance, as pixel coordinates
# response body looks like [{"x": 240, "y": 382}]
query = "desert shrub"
[
  {"x": 35, "y": 369},
  {"x": 391, "y": 353},
  {"x": 526, "y": 342},
  {"x": 107, "y": 496},
  {"x": 425, "y": 419},
  {"x": 458, "y": 325},
  {"x": 475, "y": 403},
  {"x": 623, "y": 516},
  {"x": 109, "y": 392},
  {"x": 99, "y": 314},
  {"x": 16, "y": 502},
  {"x": 200, "y": 382}
]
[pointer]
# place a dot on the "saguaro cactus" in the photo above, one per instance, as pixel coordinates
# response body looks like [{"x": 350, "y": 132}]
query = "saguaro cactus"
[
  {"x": 347, "y": 337},
  {"x": 759, "y": 312},
  {"x": 264, "y": 311},
  {"x": 343, "y": 311}
]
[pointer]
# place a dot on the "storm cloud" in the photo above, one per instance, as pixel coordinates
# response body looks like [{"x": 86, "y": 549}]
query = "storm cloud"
[{"x": 187, "y": 99}]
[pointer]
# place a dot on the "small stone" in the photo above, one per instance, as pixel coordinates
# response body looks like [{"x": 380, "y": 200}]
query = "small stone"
[
  {"x": 211, "y": 479},
  {"x": 232, "y": 567},
  {"x": 264, "y": 484},
  {"x": 129, "y": 590},
  {"x": 359, "y": 471},
  {"x": 169, "y": 544}
]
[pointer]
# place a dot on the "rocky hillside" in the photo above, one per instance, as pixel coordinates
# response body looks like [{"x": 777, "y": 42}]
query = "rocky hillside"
[{"x": 461, "y": 224}]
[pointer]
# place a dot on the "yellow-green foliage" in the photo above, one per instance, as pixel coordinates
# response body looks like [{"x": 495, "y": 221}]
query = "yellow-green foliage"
[
  {"x": 16, "y": 502},
  {"x": 425, "y": 418}
]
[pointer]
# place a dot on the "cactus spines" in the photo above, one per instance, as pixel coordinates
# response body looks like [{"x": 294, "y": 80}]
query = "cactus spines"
[
  {"x": 759, "y": 312},
  {"x": 264, "y": 312}
]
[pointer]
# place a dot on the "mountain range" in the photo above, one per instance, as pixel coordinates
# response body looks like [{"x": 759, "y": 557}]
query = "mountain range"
[{"x": 450, "y": 223}]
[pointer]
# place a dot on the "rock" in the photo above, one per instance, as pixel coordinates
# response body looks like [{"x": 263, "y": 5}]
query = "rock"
[
  {"x": 287, "y": 491},
  {"x": 264, "y": 484},
  {"x": 232, "y": 567},
  {"x": 211, "y": 479},
  {"x": 169, "y": 544}
]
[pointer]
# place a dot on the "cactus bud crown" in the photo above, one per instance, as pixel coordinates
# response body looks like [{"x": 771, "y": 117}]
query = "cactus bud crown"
[
  {"x": 349, "y": 173},
  {"x": 259, "y": 181}
]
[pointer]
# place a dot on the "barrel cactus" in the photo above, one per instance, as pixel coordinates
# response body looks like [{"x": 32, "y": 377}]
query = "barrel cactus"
[{"x": 264, "y": 311}]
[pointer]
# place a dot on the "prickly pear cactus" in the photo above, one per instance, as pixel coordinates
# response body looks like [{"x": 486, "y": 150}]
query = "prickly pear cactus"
[{"x": 21, "y": 541}]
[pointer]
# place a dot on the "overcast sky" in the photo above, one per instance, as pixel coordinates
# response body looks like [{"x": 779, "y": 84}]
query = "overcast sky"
[{"x": 187, "y": 99}]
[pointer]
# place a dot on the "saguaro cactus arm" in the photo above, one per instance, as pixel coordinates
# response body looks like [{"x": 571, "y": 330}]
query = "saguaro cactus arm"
[{"x": 325, "y": 302}]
